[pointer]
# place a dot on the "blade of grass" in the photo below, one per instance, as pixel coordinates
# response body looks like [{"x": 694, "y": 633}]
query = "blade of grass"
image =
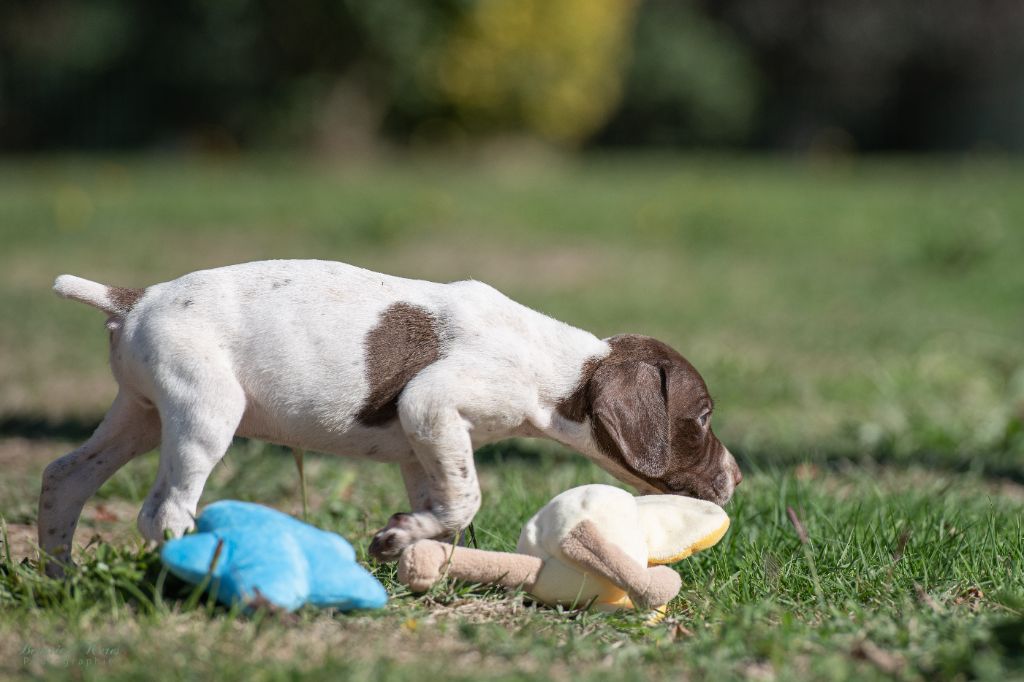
[{"x": 299, "y": 454}]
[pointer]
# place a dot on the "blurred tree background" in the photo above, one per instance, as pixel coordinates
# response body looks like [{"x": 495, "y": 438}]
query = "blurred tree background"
[{"x": 347, "y": 75}]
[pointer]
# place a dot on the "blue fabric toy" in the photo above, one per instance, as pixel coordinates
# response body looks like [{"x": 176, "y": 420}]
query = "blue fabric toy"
[{"x": 268, "y": 555}]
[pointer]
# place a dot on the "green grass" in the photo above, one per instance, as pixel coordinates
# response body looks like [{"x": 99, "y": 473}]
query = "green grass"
[
  {"x": 874, "y": 306},
  {"x": 923, "y": 567},
  {"x": 859, "y": 326}
]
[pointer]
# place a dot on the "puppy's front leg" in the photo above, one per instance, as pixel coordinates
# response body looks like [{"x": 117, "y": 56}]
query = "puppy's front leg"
[{"x": 444, "y": 452}]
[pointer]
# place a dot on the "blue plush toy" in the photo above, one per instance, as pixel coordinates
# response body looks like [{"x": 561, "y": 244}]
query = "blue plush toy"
[{"x": 267, "y": 555}]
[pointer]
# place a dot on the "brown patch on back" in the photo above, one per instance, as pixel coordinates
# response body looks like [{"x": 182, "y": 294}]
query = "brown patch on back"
[
  {"x": 124, "y": 299},
  {"x": 404, "y": 341}
]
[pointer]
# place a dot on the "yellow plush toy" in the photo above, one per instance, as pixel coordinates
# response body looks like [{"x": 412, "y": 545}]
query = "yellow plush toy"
[{"x": 594, "y": 544}]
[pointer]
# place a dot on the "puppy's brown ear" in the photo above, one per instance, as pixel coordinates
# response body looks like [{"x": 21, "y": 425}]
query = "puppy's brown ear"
[{"x": 631, "y": 415}]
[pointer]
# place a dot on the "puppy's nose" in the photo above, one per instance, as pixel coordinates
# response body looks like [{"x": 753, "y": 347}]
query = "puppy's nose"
[{"x": 737, "y": 476}]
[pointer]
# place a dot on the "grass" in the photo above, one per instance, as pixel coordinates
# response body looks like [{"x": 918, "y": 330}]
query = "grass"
[{"x": 859, "y": 326}]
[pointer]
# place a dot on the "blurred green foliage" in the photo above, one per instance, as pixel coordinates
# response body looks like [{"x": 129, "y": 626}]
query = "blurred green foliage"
[
  {"x": 690, "y": 81},
  {"x": 344, "y": 74}
]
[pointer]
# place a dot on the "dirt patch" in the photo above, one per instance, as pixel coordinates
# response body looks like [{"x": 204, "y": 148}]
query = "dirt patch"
[
  {"x": 110, "y": 521},
  {"x": 505, "y": 266},
  {"x": 21, "y": 539},
  {"x": 299, "y": 643},
  {"x": 89, "y": 390},
  {"x": 28, "y": 456},
  {"x": 1007, "y": 488}
]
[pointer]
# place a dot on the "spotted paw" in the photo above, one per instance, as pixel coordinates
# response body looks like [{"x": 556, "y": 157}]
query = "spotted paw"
[{"x": 389, "y": 542}]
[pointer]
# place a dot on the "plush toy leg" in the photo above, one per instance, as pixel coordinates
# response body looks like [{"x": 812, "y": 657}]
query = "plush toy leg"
[
  {"x": 423, "y": 563},
  {"x": 594, "y": 554}
]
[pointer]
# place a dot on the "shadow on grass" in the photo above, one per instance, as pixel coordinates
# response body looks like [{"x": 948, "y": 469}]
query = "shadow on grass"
[
  {"x": 989, "y": 464},
  {"x": 36, "y": 427},
  {"x": 986, "y": 464}
]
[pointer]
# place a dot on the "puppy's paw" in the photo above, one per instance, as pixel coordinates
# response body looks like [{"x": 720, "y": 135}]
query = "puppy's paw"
[
  {"x": 164, "y": 521},
  {"x": 388, "y": 542},
  {"x": 57, "y": 567}
]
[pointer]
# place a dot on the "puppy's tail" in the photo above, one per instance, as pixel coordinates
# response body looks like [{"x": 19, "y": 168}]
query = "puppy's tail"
[{"x": 114, "y": 301}]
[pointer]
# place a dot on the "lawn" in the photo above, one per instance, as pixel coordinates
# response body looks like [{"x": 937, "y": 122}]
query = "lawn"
[{"x": 859, "y": 324}]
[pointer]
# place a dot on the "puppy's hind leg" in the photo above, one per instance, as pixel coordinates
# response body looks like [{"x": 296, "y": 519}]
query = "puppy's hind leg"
[
  {"x": 417, "y": 485},
  {"x": 129, "y": 428},
  {"x": 198, "y": 420}
]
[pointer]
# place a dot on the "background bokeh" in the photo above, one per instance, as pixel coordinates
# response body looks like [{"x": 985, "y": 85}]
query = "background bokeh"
[
  {"x": 345, "y": 75},
  {"x": 736, "y": 159}
]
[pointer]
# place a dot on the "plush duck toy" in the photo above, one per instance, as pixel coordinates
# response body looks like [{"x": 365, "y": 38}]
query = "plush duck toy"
[{"x": 594, "y": 544}]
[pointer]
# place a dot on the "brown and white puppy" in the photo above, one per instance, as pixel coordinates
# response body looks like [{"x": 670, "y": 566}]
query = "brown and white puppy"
[{"x": 329, "y": 357}]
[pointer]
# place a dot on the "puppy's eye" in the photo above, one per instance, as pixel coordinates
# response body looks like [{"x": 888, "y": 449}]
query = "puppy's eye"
[{"x": 704, "y": 418}]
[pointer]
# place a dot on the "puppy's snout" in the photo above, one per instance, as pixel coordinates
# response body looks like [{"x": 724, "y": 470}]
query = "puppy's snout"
[{"x": 737, "y": 475}]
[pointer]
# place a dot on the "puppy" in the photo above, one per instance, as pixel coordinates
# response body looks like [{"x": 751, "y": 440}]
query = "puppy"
[{"x": 329, "y": 357}]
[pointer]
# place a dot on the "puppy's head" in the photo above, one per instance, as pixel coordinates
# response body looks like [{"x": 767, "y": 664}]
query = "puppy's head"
[{"x": 651, "y": 418}]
